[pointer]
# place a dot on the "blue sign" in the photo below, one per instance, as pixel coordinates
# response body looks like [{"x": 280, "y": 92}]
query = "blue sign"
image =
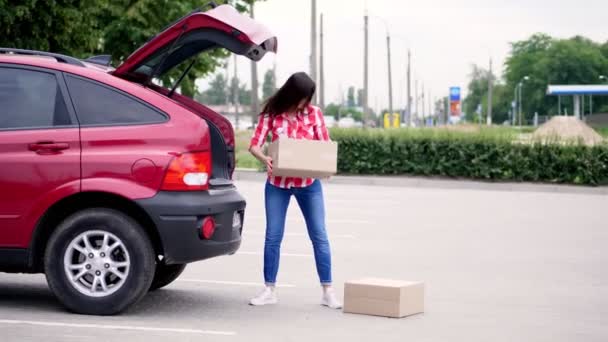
[{"x": 455, "y": 94}]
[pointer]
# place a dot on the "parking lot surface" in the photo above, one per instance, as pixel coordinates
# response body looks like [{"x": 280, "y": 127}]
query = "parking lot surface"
[{"x": 498, "y": 266}]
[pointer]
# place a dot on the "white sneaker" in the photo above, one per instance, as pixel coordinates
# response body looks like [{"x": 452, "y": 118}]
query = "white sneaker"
[
  {"x": 330, "y": 300},
  {"x": 266, "y": 297}
]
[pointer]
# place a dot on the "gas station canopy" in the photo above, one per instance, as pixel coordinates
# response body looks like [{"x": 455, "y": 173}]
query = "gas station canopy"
[
  {"x": 569, "y": 90},
  {"x": 578, "y": 91}
]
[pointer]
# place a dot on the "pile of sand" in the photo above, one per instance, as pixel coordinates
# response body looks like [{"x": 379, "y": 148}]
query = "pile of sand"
[{"x": 567, "y": 129}]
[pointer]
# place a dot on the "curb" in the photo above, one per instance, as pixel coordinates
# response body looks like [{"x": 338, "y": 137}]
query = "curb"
[{"x": 435, "y": 183}]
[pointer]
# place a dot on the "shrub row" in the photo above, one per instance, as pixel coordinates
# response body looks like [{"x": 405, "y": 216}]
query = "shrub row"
[{"x": 486, "y": 155}]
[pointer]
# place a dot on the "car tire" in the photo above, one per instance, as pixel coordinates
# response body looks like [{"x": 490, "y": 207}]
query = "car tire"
[
  {"x": 166, "y": 274},
  {"x": 87, "y": 280}
]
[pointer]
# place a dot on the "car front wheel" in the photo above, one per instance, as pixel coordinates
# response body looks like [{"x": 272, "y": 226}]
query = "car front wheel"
[{"x": 99, "y": 262}]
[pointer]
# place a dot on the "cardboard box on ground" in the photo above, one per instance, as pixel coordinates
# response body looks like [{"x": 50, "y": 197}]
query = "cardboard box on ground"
[
  {"x": 383, "y": 297},
  {"x": 303, "y": 158}
]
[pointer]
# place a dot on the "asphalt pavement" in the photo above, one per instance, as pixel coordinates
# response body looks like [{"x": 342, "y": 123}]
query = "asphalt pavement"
[{"x": 498, "y": 266}]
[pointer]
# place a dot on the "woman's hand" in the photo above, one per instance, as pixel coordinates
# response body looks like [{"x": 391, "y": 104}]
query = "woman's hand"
[
  {"x": 267, "y": 161},
  {"x": 264, "y": 159}
]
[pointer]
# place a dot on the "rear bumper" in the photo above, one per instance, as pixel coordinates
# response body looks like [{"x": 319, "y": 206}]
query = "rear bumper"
[{"x": 178, "y": 217}]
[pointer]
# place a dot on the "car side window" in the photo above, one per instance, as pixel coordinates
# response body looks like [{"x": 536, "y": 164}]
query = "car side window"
[
  {"x": 98, "y": 105},
  {"x": 31, "y": 99}
]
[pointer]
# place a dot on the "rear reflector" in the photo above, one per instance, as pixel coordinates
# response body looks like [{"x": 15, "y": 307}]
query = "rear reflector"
[
  {"x": 207, "y": 228},
  {"x": 188, "y": 172},
  {"x": 236, "y": 220}
]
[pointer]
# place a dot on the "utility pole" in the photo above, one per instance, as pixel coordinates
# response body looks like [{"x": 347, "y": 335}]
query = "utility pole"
[
  {"x": 490, "y": 81},
  {"x": 313, "y": 44},
  {"x": 520, "y": 101},
  {"x": 422, "y": 98},
  {"x": 416, "y": 97},
  {"x": 236, "y": 95},
  {"x": 409, "y": 84},
  {"x": 430, "y": 104},
  {"x": 322, "y": 69},
  {"x": 447, "y": 110},
  {"x": 255, "y": 98},
  {"x": 274, "y": 79},
  {"x": 365, "y": 69},
  {"x": 390, "y": 76},
  {"x": 514, "y": 106},
  {"x": 228, "y": 85}
]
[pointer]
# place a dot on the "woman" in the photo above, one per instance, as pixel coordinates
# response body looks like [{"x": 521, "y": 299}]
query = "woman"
[{"x": 288, "y": 114}]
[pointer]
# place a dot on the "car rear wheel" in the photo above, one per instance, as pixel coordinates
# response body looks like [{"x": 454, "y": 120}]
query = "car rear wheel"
[
  {"x": 99, "y": 261},
  {"x": 166, "y": 274}
]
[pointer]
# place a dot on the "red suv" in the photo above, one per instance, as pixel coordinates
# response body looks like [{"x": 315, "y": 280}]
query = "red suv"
[{"x": 110, "y": 184}]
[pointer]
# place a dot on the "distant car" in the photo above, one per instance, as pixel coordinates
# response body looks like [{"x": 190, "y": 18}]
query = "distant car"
[
  {"x": 346, "y": 122},
  {"x": 330, "y": 121},
  {"x": 110, "y": 184}
]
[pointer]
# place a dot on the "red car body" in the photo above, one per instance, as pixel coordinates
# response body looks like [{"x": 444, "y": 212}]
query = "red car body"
[{"x": 49, "y": 173}]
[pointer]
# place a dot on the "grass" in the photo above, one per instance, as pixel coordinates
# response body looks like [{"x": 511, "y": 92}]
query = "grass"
[
  {"x": 244, "y": 159},
  {"x": 603, "y": 131}
]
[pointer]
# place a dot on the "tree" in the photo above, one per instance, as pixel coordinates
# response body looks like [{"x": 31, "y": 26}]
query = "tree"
[
  {"x": 552, "y": 61},
  {"x": 478, "y": 95},
  {"x": 216, "y": 94},
  {"x": 73, "y": 27},
  {"x": 350, "y": 97},
  {"x": 244, "y": 94},
  {"x": 269, "y": 85},
  {"x": 359, "y": 97},
  {"x": 332, "y": 110}
]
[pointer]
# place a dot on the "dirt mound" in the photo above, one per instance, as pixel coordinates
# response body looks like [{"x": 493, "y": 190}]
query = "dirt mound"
[{"x": 567, "y": 129}]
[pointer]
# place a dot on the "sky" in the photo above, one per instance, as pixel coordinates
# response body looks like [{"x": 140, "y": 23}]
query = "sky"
[{"x": 445, "y": 39}]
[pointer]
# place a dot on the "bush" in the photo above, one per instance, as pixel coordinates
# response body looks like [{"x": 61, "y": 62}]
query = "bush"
[{"x": 490, "y": 154}]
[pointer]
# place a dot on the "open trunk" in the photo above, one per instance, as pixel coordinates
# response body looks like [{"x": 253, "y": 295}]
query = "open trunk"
[{"x": 221, "y": 27}]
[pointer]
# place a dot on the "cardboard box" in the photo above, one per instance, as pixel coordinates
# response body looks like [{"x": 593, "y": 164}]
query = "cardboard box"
[
  {"x": 303, "y": 158},
  {"x": 383, "y": 297}
]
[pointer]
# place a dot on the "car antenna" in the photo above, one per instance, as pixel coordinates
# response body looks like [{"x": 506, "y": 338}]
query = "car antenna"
[
  {"x": 165, "y": 56},
  {"x": 211, "y": 4}
]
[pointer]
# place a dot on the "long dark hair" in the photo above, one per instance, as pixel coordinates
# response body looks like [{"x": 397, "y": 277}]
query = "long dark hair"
[{"x": 298, "y": 87}]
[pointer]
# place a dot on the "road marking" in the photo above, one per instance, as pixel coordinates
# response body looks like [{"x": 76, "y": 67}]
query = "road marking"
[
  {"x": 238, "y": 283},
  {"x": 328, "y": 221},
  {"x": 337, "y": 236},
  {"x": 117, "y": 327},
  {"x": 282, "y": 254}
]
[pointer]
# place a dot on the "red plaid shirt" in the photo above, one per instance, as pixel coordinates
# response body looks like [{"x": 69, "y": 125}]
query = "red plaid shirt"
[{"x": 308, "y": 124}]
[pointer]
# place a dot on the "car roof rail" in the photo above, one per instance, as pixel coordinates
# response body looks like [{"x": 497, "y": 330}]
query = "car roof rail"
[
  {"x": 60, "y": 58},
  {"x": 104, "y": 60}
]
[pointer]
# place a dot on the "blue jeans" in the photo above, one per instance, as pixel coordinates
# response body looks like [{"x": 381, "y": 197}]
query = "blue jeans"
[{"x": 310, "y": 200}]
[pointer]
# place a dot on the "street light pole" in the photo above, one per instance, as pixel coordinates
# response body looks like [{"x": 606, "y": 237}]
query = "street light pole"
[
  {"x": 519, "y": 114},
  {"x": 322, "y": 68},
  {"x": 490, "y": 80},
  {"x": 365, "y": 69},
  {"x": 521, "y": 100},
  {"x": 514, "y": 114},
  {"x": 255, "y": 99},
  {"x": 390, "y": 76},
  {"x": 409, "y": 91}
]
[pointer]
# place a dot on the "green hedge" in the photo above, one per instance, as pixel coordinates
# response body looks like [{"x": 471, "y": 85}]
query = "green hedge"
[{"x": 488, "y": 155}]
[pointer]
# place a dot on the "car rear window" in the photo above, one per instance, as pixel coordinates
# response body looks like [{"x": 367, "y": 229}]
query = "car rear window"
[
  {"x": 100, "y": 105},
  {"x": 31, "y": 99}
]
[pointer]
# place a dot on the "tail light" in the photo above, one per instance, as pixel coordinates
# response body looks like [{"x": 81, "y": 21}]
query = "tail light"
[
  {"x": 188, "y": 172},
  {"x": 207, "y": 228}
]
